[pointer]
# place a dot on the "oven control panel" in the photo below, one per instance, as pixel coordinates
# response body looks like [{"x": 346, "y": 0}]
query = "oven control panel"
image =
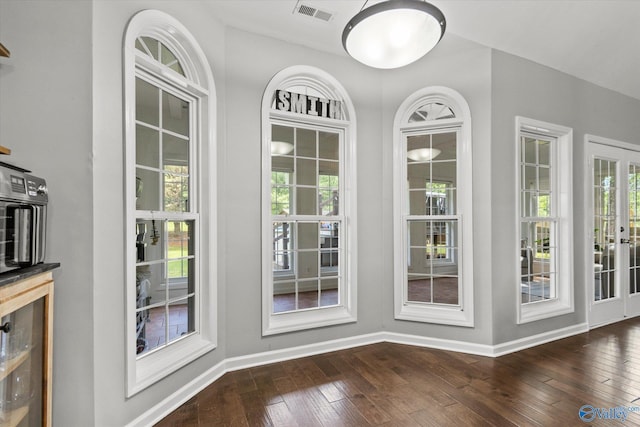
[{"x": 16, "y": 184}]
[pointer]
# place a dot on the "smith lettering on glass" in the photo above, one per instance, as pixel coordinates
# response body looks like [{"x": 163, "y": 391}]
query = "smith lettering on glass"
[{"x": 307, "y": 104}]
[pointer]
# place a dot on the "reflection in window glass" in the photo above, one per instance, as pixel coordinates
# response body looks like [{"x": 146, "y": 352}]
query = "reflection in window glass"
[
  {"x": 432, "y": 270},
  {"x": 165, "y": 280},
  {"x": 305, "y": 182},
  {"x": 537, "y": 222},
  {"x": 165, "y": 224}
]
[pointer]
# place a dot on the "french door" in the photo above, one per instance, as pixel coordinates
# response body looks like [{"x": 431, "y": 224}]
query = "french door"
[{"x": 614, "y": 267}]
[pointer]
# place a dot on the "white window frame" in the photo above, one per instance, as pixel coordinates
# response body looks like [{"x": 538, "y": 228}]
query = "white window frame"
[
  {"x": 463, "y": 313},
  {"x": 329, "y": 88},
  {"x": 562, "y": 194},
  {"x": 141, "y": 372}
]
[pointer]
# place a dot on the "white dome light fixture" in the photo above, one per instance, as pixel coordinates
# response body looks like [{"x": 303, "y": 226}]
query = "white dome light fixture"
[
  {"x": 393, "y": 33},
  {"x": 423, "y": 154},
  {"x": 280, "y": 148}
]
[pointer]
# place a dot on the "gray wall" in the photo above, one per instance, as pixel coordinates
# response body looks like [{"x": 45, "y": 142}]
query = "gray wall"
[
  {"x": 110, "y": 19},
  {"x": 45, "y": 118},
  {"x": 524, "y": 88},
  {"x": 465, "y": 67},
  {"x": 251, "y": 63},
  {"x": 61, "y": 113}
]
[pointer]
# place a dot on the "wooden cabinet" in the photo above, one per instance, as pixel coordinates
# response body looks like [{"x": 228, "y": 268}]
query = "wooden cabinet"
[{"x": 26, "y": 315}]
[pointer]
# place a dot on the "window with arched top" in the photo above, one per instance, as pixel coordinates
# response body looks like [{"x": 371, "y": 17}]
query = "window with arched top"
[
  {"x": 309, "y": 201},
  {"x": 170, "y": 198},
  {"x": 432, "y": 110},
  {"x": 433, "y": 276}
]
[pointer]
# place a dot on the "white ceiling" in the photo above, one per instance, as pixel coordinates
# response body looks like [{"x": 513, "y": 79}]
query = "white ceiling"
[{"x": 596, "y": 40}]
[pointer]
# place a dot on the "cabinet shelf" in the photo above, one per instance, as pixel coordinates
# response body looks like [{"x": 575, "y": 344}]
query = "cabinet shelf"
[
  {"x": 11, "y": 364},
  {"x": 13, "y": 418}
]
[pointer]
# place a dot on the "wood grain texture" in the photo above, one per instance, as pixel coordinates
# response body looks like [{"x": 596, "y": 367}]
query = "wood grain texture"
[{"x": 398, "y": 385}]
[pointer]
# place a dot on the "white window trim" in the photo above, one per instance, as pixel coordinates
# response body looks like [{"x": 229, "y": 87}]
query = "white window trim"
[
  {"x": 330, "y": 88},
  {"x": 462, "y": 314},
  {"x": 145, "y": 371},
  {"x": 563, "y": 303}
]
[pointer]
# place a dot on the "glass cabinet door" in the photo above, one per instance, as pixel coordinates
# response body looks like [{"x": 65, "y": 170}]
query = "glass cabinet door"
[{"x": 21, "y": 366}]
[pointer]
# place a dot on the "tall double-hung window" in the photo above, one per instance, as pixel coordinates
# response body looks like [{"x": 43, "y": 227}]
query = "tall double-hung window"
[
  {"x": 308, "y": 227},
  {"x": 544, "y": 248},
  {"x": 432, "y": 209},
  {"x": 170, "y": 196}
]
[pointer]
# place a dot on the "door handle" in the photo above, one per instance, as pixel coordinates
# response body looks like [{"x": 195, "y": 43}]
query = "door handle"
[{"x": 624, "y": 241}]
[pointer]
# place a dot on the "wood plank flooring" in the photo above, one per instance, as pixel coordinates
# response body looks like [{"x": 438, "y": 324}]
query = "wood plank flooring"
[{"x": 398, "y": 385}]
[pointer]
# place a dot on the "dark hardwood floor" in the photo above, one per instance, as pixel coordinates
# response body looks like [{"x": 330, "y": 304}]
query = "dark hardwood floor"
[{"x": 398, "y": 385}]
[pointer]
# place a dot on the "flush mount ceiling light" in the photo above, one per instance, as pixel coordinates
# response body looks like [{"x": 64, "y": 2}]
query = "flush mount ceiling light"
[
  {"x": 393, "y": 33},
  {"x": 423, "y": 154},
  {"x": 279, "y": 148}
]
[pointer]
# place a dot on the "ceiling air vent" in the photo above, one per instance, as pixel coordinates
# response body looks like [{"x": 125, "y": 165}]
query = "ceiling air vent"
[{"x": 303, "y": 9}]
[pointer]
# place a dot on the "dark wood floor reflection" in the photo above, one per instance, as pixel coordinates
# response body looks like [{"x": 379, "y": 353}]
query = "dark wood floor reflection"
[{"x": 397, "y": 385}]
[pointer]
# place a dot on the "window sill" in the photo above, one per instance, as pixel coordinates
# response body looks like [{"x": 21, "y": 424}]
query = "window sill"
[
  {"x": 440, "y": 314},
  {"x": 301, "y": 320},
  {"x": 540, "y": 310},
  {"x": 158, "y": 365}
]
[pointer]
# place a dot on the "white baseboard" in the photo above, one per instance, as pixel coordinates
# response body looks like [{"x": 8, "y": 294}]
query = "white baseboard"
[
  {"x": 179, "y": 397},
  {"x": 439, "y": 343},
  {"x": 273, "y": 356},
  {"x": 534, "y": 340},
  {"x": 172, "y": 402}
]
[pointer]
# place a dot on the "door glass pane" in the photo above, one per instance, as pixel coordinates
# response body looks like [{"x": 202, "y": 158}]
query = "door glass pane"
[
  {"x": 21, "y": 366},
  {"x": 634, "y": 231},
  {"x": 604, "y": 229}
]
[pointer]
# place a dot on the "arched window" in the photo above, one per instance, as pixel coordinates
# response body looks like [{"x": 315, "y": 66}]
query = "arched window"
[
  {"x": 170, "y": 199},
  {"x": 309, "y": 200},
  {"x": 432, "y": 208}
]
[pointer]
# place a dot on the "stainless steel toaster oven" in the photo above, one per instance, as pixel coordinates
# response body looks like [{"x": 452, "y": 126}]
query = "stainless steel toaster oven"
[{"x": 23, "y": 218}]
